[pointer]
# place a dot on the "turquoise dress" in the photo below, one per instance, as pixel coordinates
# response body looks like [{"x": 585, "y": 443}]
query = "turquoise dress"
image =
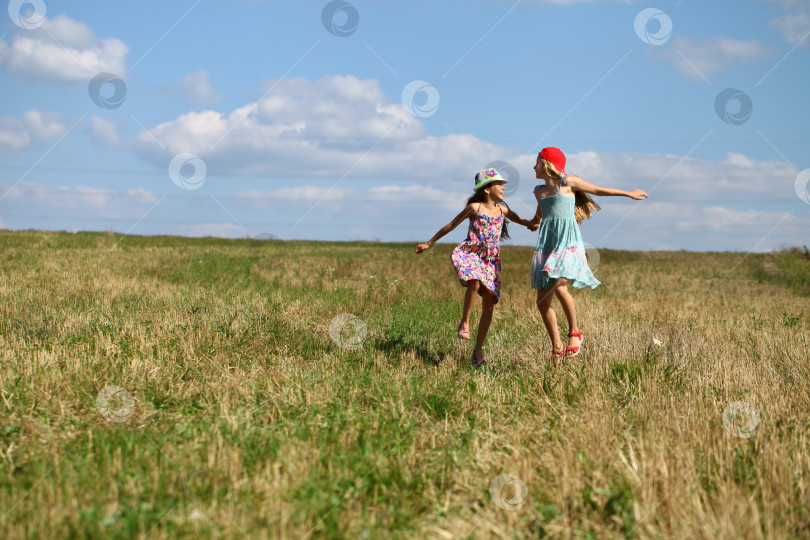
[{"x": 560, "y": 251}]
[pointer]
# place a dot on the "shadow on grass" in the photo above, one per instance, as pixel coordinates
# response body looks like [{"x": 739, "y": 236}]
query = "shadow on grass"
[{"x": 400, "y": 346}]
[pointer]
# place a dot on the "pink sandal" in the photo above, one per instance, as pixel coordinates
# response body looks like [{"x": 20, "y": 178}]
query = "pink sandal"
[
  {"x": 570, "y": 352},
  {"x": 464, "y": 331}
]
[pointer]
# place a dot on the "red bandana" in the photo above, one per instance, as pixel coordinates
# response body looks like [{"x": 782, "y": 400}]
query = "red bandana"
[{"x": 555, "y": 157}]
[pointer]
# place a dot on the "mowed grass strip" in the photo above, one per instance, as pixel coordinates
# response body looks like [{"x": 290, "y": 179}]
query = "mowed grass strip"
[{"x": 166, "y": 387}]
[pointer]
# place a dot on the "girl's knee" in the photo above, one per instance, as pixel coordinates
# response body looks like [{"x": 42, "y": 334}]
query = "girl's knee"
[
  {"x": 544, "y": 299},
  {"x": 474, "y": 284}
]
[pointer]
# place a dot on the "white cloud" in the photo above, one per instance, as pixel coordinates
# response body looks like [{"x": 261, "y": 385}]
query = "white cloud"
[
  {"x": 35, "y": 128},
  {"x": 194, "y": 88},
  {"x": 736, "y": 204},
  {"x": 738, "y": 178},
  {"x": 403, "y": 183},
  {"x": 700, "y": 60},
  {"x": 794, "y": 26},
  {"x": 79, "y": 201},
  {"x": 334, "y": 126},
  {"x": 656, "y": 224},
  {"x": 739, "y": 203},
  {"x": 62, "y": 50},
  {"x": 104, "y": 131},
  {"x": 718, "y": 218},
  {"x": 378, "y": 199}
]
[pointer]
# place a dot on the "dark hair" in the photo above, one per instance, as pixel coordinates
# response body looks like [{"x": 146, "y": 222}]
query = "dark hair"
[{"x": 479, "y": 197}]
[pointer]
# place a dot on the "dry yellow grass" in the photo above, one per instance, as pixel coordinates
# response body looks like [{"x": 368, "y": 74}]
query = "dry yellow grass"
[{"x": 247, "y": 419}]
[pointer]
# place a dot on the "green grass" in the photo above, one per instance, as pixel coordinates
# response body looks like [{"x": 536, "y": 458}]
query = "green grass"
[{"x": 251, "y": 420}]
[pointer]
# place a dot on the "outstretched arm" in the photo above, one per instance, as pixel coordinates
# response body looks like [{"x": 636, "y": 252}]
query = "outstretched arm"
[
  {"x": 464, "y": 214},
  {"x": 578, "y": 184}
]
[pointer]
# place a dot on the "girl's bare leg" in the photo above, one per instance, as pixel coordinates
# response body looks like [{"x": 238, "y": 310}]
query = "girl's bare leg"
[
  {"x": 544, "y": 298},
  {"x": 567, "y": 302},
  {"x": 487, "y": 305},
  {"x": 469, "y": 300}
]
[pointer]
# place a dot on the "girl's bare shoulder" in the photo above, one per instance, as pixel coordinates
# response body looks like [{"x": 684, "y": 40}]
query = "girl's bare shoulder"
[
  {"x": 573, "y": 178},
  {"x": 542, "y": 191},
  {"x": 470, "y": 210}
]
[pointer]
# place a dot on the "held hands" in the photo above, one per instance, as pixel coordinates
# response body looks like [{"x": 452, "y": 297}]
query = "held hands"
[
  {"x": 637, "y": 194},
  {"x": 421, "y": 248},
  {"x": 534, "y": 224}
]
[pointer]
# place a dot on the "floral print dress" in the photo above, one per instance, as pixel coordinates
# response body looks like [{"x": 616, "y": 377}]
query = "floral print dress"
[{"x": 478, "y": 257}]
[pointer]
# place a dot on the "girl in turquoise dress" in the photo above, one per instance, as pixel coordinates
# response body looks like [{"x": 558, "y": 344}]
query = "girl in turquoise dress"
[
  {"x": 477, "y": 259},
  {"x": 559, "y": 258}
]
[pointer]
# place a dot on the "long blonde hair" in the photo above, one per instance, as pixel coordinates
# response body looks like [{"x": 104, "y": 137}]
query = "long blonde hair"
[{"x": 584, "y": 205}]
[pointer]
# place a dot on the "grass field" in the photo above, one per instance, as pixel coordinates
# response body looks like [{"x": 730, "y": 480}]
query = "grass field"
[{"x": 166, "y": 387}]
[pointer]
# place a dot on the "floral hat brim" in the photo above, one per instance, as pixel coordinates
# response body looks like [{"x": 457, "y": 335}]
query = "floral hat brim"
[{"x": 486, "y": 177}]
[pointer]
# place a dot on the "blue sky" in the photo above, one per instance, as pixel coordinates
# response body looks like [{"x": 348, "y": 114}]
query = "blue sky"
[{"x": 367, "y": 120}]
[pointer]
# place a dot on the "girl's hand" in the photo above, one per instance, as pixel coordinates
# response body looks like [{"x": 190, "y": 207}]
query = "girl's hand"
[
  {"x": 534, "y": 224},
  {"x": 637, "y": 194},
  {"x": 422, "y": 247}
]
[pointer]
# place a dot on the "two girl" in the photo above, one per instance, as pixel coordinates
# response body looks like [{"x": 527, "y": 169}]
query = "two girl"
[{"x": 559, "y": 259}]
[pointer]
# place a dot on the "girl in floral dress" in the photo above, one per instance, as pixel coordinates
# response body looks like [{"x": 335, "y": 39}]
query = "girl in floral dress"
[
  {"x": 477, "y": 259},
  {"x": 559, "y": 258}
]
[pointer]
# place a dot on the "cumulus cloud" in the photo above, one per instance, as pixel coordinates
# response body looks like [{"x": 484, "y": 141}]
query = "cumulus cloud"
[
  {"x": 340, "y": 155},
  {"x": 700, "y": 59},
  {"x": 718, "y": 218},
  {"x": 334, "y": 126},
  {"x": 738, "y": 203},
  {"x": 194, "y": 88},
  {"x": 656, "y": 224},
  {"x": 794, "y": 26},
  {"x": 62, "y": 50},
  {"x": 79, "y": 201},
  {"x": 105, "y": 131},
  {"x": 379, "y": 199},
  {"x": 35, "y": 128},
  {"x": 738, "y": 178}
]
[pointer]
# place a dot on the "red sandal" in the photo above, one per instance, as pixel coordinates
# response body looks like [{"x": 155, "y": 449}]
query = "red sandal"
[
  {"x": 570, "y": 352},
  {"x": 464, "y": 331}
]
